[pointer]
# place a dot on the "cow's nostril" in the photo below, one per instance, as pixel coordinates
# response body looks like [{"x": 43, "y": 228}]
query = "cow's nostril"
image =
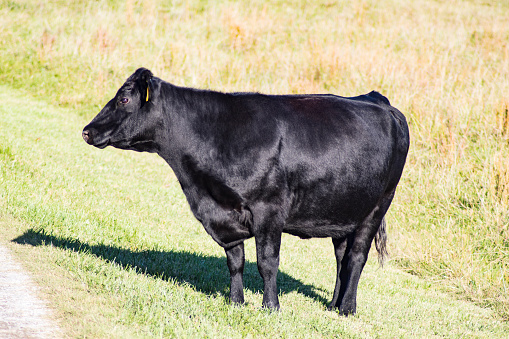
[{"x": 86, "y": 136}]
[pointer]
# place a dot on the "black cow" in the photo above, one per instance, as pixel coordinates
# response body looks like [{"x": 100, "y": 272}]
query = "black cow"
[{"x": 254, "y": 165}]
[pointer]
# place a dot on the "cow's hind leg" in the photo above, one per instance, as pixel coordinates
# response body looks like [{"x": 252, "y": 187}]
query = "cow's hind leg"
[
  {"x": 235, "y": 259},
  {"x": 356, "y": 255},
  {"x": 352, "y": 265},
  {"x": 339, "y": 251}
]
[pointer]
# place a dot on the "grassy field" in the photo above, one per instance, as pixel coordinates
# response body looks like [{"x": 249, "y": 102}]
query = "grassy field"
[
  {"x": 109, "y": 237},
  {"x": 118, "y": 221}
]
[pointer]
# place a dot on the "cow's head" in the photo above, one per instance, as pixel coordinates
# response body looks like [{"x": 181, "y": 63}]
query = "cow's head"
[{"x": 130, "y": 120}]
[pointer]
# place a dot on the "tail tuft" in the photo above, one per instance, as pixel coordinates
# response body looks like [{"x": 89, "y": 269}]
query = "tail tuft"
[{"x": 381, "y": 242}]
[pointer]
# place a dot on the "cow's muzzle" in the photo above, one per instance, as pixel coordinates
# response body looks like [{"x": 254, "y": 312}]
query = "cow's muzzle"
[
  {"x": 87, "y": 136},
  {"x": 92, "y": 137}
]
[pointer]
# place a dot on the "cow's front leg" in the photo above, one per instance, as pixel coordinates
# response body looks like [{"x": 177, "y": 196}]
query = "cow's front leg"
[
  {"x": 267, "y": 255},
  {"x": 235, "y": 259}
]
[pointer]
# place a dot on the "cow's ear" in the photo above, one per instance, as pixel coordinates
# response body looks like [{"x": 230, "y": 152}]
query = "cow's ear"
[
  {"x": 146, "y": 75},
  {"x": 145, "y": 78}
]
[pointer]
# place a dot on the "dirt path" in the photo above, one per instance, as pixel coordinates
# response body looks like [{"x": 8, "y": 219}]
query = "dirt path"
[{"x": 22, "y": 314}]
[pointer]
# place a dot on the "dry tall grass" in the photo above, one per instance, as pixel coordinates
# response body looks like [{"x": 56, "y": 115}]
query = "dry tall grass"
[{"x": 444, "y": 64}]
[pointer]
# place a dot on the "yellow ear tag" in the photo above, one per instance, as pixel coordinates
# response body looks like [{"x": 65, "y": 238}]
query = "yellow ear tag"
[{"x": 147, "y": 94}]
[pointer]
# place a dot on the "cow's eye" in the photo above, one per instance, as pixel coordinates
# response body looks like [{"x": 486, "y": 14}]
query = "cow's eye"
[{"x": 124, "y": 100}]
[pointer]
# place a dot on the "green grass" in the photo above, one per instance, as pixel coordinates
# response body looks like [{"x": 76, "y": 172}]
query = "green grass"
[
  {"x": 110, "y": 238},
  {"x": 445, "y": 65}
]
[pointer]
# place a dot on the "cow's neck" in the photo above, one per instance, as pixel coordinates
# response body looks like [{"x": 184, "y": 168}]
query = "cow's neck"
[
  {"x": 195, "y": 103},
  {"x": 193, "y": 118}
]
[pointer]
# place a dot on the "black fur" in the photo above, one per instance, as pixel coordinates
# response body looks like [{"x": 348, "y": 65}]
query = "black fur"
[{"x": 259, "y": 165}]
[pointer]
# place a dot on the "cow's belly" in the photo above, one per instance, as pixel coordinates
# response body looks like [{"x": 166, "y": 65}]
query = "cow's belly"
[
  {"x": 318, "y": 229},
  {"x": 326, "y": 212}
]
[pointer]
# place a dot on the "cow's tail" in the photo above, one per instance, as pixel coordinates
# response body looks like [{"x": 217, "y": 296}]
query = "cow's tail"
[{"x": 381, "y": 242}]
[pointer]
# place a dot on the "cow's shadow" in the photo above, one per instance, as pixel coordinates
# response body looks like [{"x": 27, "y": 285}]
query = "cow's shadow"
[{"x": 207, "y": 274}]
